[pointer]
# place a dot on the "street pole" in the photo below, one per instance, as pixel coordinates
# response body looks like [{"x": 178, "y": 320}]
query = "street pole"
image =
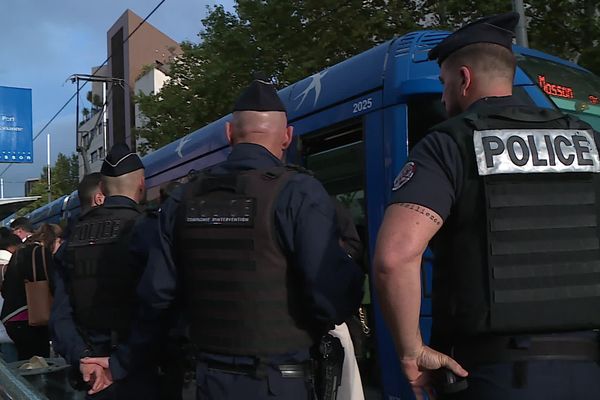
[
  {"x": 2, "y": 188},
  {"x": 104, "y": 117},
  {"x": 48, "y": 163},
  {"x": 521, "y": 32}
]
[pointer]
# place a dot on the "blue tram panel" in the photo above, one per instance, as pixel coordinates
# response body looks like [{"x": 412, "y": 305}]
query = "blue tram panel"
[{"x": 51, "y": 213}]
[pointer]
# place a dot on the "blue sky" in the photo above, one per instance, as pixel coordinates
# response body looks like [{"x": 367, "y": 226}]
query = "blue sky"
[{"x": 44, "y": 42}]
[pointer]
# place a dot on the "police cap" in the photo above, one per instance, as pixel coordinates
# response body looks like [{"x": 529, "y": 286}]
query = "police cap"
[
  {"x": 260, "y": 95},
  {"x": 120, "y": 161},
  {"x": 497, "y": 29}
]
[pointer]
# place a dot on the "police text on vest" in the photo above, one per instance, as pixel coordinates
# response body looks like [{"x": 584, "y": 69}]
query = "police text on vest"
[{"x": 510, "y": 151}]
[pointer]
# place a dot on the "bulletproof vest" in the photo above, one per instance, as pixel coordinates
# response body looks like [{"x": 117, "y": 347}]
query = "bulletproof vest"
[
  {"x": 242, "y": 294},
  {"x": 520, "y": 252},
  {"x": 101, "y": 284}
]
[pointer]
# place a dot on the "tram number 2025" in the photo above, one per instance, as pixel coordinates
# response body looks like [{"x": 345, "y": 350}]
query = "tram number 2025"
[{"x": 362, "y": 105}]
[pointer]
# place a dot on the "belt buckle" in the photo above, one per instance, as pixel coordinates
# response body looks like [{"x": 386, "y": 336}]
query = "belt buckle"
[{"x": 292, "y": 370}]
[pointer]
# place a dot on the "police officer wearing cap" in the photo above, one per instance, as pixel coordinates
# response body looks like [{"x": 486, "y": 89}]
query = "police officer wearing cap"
[
  {"x": 506, "y": 195},
  {"x": 95, "y": 291},
  {"x": 253, "y": 249}
]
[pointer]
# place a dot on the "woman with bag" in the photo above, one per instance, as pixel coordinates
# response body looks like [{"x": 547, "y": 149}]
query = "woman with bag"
[{"x": 26, "y": 292}]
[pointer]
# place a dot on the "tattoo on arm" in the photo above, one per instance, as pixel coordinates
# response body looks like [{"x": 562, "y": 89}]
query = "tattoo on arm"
[{"x": 422, "y": 210}]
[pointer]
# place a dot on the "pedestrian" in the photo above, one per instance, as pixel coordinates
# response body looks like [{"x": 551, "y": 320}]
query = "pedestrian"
[
  {"x": 174, "y": 357},
  {"x": 9, "y": 243},
  {"x": 35, "y": 254},
  {"x": 21, "y": 226},
  {"x": 351, "y": 382},
  {"x": 252, "y": 247},
  {"x": 89, "y": 192},
  {"x": 505, "y": 194},
  {"x": 96, "y": 279}
]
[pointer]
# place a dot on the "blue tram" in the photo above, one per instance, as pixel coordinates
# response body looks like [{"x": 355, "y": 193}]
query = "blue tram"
[{"x": 354, "y": 125}]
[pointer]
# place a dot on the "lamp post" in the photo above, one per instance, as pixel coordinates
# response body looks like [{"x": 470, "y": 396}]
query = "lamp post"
[
  {"x": 48, "y": 167},
  {"x": 521, "y": 31}
]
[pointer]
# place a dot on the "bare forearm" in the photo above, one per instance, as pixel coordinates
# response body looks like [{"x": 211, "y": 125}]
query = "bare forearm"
[
  {"x": 403, "y": 238},
  {"x": 399, "y": 289}
]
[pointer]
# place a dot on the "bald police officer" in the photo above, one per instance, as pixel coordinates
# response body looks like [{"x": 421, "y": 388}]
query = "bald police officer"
[
  {"x": 253, "y": 248},
  {"x": 507, "y": 196},
  {"x": 95, "y": 290}
]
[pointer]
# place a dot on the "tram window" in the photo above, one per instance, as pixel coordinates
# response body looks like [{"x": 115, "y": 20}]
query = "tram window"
[
  {"x": 336, "y": 157},
  {"x": 424, "y": 111}
]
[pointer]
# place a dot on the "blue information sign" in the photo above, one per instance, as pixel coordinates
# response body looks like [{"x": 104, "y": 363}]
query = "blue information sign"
[{"x": 16, "y": 131}]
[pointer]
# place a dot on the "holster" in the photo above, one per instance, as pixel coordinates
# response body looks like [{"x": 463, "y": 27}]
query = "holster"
[{"x": 329, "y": 364}]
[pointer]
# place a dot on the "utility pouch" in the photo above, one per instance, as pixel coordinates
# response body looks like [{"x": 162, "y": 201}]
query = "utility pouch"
[{"x": 329, "y": 367}]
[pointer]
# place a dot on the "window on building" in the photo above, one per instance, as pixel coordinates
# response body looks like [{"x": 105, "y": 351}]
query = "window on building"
[
  {"x": 101, "y": 153},
  {"x": 85, "y": 139},
  {"x": 94, "y": 156}
]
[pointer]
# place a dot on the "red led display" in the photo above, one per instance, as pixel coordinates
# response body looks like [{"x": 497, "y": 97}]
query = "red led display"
[
  {"x": 555, "y": 90},
  {"x": 594, "y": 99}
]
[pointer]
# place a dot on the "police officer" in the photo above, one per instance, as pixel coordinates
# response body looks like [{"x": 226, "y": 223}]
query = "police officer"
[
  {"x": 252, "y": 245},
  {"x": 171, "y": 358},
  {"x": 95, "y": 290},
  {"x": 89, "y": 192},
  {"x": 507, "y": 194}
]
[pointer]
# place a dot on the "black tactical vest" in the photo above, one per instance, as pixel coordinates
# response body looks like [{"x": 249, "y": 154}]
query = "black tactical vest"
[
  {"x": 101, "y": 284},
  {"x": 241, "y": 292},
  {"x": 520, "y": 252}
]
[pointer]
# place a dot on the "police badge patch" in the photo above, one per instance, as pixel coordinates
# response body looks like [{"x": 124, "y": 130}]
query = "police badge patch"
[{"x": 405, "y": 175}]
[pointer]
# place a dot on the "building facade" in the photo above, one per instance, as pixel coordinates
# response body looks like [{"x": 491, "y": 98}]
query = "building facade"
[{"x": 151, "y": 82}]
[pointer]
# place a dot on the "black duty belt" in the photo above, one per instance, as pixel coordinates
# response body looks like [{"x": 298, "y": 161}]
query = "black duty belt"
[
  {"x": 527, "y": 348},
  {"x": 302, "y": 370}
]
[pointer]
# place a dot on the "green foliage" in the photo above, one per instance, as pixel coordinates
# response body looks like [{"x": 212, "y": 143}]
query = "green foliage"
[
  {"x": 287, "y": 40},
  {"x": 64, "y": 177},
  {"x": 291, "y": 39},
  {"x": 565, "y": 28},
  {"x": 568, "y": 29},
  {"x": 452, "y": 14}
]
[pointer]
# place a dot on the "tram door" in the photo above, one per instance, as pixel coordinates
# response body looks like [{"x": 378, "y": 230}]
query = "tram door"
[{"x": 336, "y": 156}]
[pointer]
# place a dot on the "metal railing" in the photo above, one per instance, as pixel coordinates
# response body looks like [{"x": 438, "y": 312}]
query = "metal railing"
[{"x": 15, "y": 387}]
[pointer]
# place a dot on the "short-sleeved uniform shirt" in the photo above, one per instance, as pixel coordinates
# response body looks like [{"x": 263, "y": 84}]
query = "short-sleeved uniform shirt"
[{"x": 433, "y": 174}]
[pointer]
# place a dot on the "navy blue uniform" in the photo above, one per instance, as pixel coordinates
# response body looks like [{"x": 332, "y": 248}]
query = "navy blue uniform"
[
  {"x": 435, "y": 183},
  {"x": 72, "y": 342},
  {"x": 306, "y": 225}
]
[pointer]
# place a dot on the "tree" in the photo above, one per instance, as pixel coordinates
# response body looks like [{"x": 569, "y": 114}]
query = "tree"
[
  {"x": 569, "y": 29},
  {"x": 565, "y": 28},
  {"x": 452, "y": 14},
  {"x": 291, "y": 39},
  {"x": 287, "y": 40},
  {"x": 64, "y": 180}
]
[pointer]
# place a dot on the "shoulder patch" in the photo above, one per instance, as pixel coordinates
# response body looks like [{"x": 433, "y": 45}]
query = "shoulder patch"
[{"x": 405, "y": 175}]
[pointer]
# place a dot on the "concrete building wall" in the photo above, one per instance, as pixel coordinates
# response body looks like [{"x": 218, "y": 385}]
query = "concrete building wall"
[{"x": 149, "y": 83}]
